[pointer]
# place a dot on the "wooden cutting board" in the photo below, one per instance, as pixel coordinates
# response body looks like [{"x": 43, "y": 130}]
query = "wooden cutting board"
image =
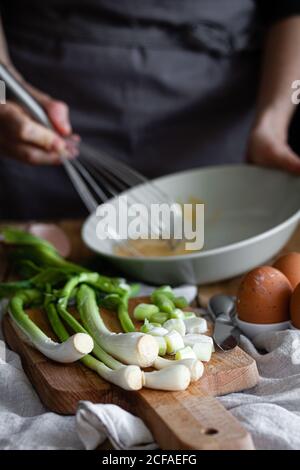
[{"x": 192, "y": 419}]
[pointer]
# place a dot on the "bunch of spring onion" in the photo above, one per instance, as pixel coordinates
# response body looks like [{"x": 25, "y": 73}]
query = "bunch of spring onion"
[
  {"x": 54, "y": 284},
  {"x": 177, "y": 331}
]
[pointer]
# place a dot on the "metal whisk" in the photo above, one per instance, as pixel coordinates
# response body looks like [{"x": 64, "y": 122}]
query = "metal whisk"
[{"x": 96, "y": 176}]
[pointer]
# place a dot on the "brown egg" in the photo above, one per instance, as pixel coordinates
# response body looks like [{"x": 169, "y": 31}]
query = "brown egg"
[
  {"x": 264, "y": 296},
  {"x": 295, "y": 307},
  {"x": 289, "y": 265}
]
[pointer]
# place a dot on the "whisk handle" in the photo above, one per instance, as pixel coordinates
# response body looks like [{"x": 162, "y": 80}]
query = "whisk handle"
[
  {"x": 33, "y": 107},
  {"x": 24, "y": 97}
]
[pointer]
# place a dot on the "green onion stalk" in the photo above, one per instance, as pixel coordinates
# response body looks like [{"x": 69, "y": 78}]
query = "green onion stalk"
[
  {"x": 180, "y": 302},
  {"x": 162, "y": 293},
  {"x": 69, "y": 351},
  {"x": 35, "y": 249},
  {"x": 48, "y": 275},
  {"x": 162, "y": 301},
  {"x": 123, "y": 308},
  {"x": 130, "y": 348},
  {"x": 108, "y": 301},
  {"x": 144, "y": 311},
  {"x": 107, "y": 285},
  {"x": 123, "y": 314},
  {"x": 127, "y": 377}
]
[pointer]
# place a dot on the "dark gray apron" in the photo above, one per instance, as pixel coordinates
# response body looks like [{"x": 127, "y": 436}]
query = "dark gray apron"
[{"x": 171, "y": 90}]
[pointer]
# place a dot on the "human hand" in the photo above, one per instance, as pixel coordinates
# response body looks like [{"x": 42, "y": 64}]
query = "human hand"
[
  {"x": 22, "y": 138},
  {"x": 268, "y": 145}
]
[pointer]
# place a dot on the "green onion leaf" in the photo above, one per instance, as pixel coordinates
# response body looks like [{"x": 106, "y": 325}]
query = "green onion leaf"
[{"x": 143, "y": 311}]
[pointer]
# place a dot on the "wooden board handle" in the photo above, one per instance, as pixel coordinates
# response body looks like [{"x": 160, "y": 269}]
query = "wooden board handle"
[{"x": 191, "y": 422}]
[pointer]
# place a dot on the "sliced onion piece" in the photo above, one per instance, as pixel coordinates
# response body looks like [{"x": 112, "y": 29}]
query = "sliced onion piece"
[
  {"x": 185, "y": 353},
  {"x": 195, "y": 325},
  {"x": 173, "y": 378},
  {"x": 195, "y": 367},
  {"x": 131, "y": 348},
  {"x": 203, "y": 351},
  {"x": 191, "y": 339},
  {"x": 174, "y": 342},
  {"x": 176, "y": 324},
  {"x": 127, "y": 377}
]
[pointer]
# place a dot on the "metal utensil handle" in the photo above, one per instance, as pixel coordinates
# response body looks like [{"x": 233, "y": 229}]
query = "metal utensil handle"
[
  {"x": 24, "y": 97},
  {"x": 223, "y": 318}
]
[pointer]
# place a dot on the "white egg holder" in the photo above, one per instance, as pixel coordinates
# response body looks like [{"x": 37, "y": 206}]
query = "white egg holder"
[{"x": 253, "y": 329}]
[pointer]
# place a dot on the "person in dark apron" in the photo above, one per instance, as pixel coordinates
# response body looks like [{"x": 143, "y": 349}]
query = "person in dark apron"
[{"x": 163, "y": 86}]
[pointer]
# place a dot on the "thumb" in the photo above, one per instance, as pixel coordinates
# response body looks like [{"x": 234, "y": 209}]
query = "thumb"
[{"x": 57, "y": 111}]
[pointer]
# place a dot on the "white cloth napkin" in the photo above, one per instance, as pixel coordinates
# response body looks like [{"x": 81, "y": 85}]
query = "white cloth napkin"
[
  {"x": 271, "y": 410},
  {"x": 96, "y": 423}
]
